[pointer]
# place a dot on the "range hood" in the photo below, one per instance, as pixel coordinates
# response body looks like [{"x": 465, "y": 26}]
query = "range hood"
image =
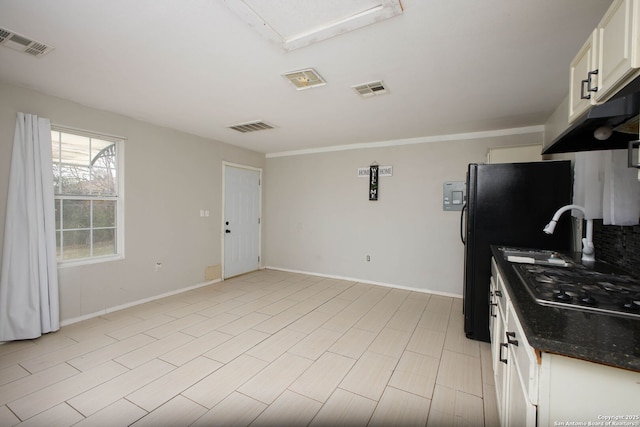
[{"x": 608, "y": 126}]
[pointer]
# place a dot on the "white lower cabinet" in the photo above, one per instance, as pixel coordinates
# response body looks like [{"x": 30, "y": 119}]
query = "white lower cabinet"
[
  {"x": 520, "y": 411},
  {"x": 543, "y": 389},
  {"x": 584, "y": 392},
  {"x": 509, "y": 350}
]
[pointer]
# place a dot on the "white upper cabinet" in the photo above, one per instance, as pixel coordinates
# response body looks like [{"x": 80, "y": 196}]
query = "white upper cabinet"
[
  {"x": 608, "y": 60},
  {"x": 583, "y": 82},
  {"x": 618, "y": 46}
]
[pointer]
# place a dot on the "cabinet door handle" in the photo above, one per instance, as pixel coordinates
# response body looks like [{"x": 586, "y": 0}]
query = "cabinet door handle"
[
  {"x": 499, "y": 293},
  {"x": 584, "y": 83},
  {"x": 491, "y": 305},
  {"x": 589, "y": 75},
  {"x": 502, "y": 359},
  {"x": 511, "y": 341}
]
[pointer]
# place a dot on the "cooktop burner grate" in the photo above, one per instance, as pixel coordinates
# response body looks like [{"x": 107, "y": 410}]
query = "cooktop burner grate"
[{"x": 582, "y": 289}]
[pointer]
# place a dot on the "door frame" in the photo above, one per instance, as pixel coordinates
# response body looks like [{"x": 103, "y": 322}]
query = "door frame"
[{"x": 225, "y": 165}]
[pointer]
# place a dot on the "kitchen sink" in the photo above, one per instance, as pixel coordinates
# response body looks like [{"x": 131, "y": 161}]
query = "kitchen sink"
[{"x": 538, "y": 256}]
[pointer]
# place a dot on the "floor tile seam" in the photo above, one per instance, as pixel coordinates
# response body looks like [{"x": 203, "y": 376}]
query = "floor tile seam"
[
  {"x": 307, "y": 397},
  {"x": 446, "y": 327},
  {"x": 457, "y": 390},
  {"x": 358, "y": 394},
  {"x": 66, "y": 360},
  {"x": 237, "y": 387},
  {"x": 135, "y": 333},
  {"x": 347, "y": 391},
  {"x": 463, "y": 354},
  {"x": 307, "y": 335},
  {"x": 319, "y": 357},
  {"x": 412, "y": 393},
  {"x": 435, "y": 374},
  {"x": 267, "y": 405},
  {"x": 285, "y": 351},
  {"x": 193, "y": 325},
  {"x": 141, "y": 408},
  {"x": 179, "y": 393},
  {"x": 275, "y": 302},
  {"x": 275, "y": 332},
  {"x": 244, "y": 353},
  {"x": 21, "y": 396},
  {"x": 13, "y": 413},
  {"x": 66, "y": 401},
  {"x": 285, "y": 388},
  {"x": 393, "y": 369}
]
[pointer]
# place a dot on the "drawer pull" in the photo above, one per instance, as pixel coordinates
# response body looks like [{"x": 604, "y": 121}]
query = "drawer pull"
[
  {"x": 583, "y": 83},
  {"x": 589, "y": 75},
  {"x": 511, "y": 341},
  {"x": 502, "y": 359}
]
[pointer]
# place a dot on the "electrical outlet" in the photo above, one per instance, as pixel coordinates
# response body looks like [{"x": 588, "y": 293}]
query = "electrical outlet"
[{"x": 368, "y": 258}]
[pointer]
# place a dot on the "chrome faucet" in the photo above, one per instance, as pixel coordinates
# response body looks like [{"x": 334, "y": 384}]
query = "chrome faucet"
[{"x": 588, "y": 250}]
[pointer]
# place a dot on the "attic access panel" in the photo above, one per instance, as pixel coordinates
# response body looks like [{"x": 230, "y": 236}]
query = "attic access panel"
[{"x": 294, "y": 24}]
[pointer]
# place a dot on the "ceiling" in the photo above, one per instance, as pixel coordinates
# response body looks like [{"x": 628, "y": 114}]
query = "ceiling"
[{"x": 199, "y": 66}]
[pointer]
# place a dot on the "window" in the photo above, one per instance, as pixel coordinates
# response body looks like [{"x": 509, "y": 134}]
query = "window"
[{"x": 88, "y": 186}]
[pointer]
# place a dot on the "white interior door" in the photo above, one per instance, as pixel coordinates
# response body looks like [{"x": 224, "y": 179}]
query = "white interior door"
[{"x": 241, "y": 220}]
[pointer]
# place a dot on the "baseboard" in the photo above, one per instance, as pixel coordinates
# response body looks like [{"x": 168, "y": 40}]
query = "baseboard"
[
  {"x": 134, "y": 303},
  {"x": 368, "y": 282}
]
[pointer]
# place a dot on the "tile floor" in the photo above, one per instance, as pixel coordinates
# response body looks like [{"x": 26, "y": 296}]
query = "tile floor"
[{"x": 267, "y": 348}]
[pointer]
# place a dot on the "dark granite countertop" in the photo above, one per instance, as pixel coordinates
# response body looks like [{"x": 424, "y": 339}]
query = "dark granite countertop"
[{"x": 600, "y": 338}]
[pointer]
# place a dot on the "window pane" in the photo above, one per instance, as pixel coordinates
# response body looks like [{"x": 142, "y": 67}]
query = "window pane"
[
  {"x": 101, "y": 149},
  {"x": 104, "y": 242},
  {"x": 56, "y": 178},
  {"x": 104, "y": 213},
  {"x": 104, "y": 181},
  {"x": 75, "y": 214},
  {"x": 76, "y": 244},
  {"x": 55, "y": 146},
  {"x": 74, "y": 149},
  {"x": 74, "y": 180}
]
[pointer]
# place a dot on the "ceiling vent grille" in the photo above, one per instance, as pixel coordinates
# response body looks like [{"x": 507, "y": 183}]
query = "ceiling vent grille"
[
  {"x": 18, "y": 42},
  {"x": 305, "y": 79},
  {"x": 251, "y": 127},
  {"x": 371, "y": 89}
]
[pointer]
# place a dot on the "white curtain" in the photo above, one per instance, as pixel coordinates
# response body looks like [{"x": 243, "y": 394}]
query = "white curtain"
[{"x": 29, "y": 279}]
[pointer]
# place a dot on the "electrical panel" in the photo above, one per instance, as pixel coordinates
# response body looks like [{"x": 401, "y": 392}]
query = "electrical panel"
[{"x": 454, "y": 195}]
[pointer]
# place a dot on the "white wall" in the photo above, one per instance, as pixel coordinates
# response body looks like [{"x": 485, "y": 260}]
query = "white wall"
[
  {"x": 318, "y": 218},
  {"x": 169, "y": 177},
  {"x": 316, "y": 213}
]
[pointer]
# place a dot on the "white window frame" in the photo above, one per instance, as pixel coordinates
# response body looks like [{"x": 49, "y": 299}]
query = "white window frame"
[{"x": 119, "y": 198}]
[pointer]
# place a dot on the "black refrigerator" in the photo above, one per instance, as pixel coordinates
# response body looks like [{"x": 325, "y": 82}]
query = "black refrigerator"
[{"x": 508, "y": 204}]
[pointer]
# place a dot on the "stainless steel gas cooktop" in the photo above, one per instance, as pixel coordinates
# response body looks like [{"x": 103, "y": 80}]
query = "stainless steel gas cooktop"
[{"x": 582, "y": 289}]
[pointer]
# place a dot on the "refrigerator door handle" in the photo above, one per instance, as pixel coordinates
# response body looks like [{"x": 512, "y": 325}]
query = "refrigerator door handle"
[{"x": 462, "y": 231}]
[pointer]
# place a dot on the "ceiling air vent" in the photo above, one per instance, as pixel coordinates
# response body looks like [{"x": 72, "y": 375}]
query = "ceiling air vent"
[
  {"x": 305, "y": 79},
  {"x": 251, "y": 127},
  {"x": 371, "y": 89},
  {"x": 18, "y": 42}
]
